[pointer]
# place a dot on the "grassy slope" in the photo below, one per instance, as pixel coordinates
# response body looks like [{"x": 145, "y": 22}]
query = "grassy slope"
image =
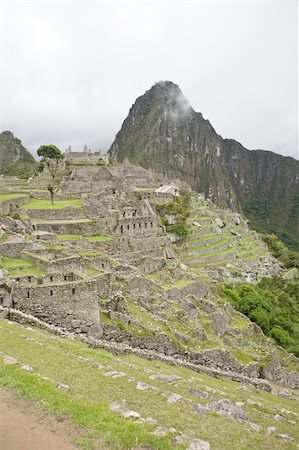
[
  {"x": 36, "y": 203},
  {"x": 91, "y": 392},
  {"x": 20, "y": 266}
]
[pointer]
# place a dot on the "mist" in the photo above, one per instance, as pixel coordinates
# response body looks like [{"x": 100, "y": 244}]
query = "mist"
[{"x": 69, "y": 72}]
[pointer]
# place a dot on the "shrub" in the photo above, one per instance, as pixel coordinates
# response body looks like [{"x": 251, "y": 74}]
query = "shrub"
[
  {"x": 260, "y": 316},
  {"x": 281, "y": 336}
]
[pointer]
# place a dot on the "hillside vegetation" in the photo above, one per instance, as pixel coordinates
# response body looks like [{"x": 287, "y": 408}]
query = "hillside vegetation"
[{"x": 167, "y": 407}]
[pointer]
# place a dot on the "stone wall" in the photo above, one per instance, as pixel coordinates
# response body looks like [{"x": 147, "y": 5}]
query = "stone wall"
[
  {"x": 86, "y": 229},
  {"x": 148, "y": 265},
  {"x": 71, "y": 305},
  {"x": 5, "y": 206},
  {"x": 14, "y": 250},
  {"x": 55, "y": 214},
  {"x": 62, "y": 263}
]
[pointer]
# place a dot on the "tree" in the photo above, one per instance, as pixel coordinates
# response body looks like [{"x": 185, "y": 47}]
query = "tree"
[
  {"x": 51, "y": 190},
  {"x": 51, "y": 155}
]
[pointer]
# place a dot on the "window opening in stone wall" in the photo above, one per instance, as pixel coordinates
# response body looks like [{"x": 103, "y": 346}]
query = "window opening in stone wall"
[
  {"x": 65, "y": 277},
  {"x": 73, "y": 291},
  {"x": 51, "y": 278},
  {"x": 28, "y": 294},
  {"x": 128, "y": 226},
  {"x": 121, "y": 229},
  {"x": 29, "y": 279},
  {"x": 51, "y": 292}
]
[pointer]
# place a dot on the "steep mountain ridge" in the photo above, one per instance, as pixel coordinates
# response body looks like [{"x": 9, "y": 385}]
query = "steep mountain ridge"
[
  {"x": 164, "y": 133},
  {"x": 15, "y": 159},
  {"x": 12, "y": 150}
]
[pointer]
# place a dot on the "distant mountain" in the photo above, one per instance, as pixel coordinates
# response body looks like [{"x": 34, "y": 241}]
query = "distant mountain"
[
  {"x": 15, "y": 159},
  {"x": 164, "y": 133}
]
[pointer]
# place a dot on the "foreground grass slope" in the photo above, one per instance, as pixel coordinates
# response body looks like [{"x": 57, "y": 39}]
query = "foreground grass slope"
[{"x": 97, "y": 378}]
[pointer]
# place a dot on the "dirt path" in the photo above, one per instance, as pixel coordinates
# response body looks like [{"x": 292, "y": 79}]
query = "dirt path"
[{"x": 25, "y": 427}]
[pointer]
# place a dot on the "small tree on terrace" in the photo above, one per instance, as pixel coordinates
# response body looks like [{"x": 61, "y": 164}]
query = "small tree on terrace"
[{"x": 51, "y": 155}]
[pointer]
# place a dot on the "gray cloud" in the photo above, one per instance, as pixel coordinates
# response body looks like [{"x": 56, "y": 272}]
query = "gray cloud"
[{"x": 69, "y": 71}]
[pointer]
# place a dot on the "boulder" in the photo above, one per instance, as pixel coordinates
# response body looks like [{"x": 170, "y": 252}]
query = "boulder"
[{"x": 95, "y": 331}]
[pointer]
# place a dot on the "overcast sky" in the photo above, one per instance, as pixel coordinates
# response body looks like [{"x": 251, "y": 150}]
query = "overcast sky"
[{"x": 71, "y": 70}]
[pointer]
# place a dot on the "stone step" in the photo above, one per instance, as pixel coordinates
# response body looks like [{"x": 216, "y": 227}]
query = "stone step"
[
  {"x": 211, "y": 258},
  {"x": 205, "y": 250}
]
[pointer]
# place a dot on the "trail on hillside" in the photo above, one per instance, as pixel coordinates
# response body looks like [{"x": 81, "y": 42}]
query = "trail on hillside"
[{"x": 25, "y": 427}]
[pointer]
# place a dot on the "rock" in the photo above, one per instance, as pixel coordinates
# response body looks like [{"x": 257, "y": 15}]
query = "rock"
[
  {"x": 174, "y": 398},
  {"x": 219, "y": 323},
  {"x": 126, "y": 413},
  {"x": 160, "y": 431},
  {"x": 219, "y": 222},
  {"x": 183, "y": 267},
  {"x": 278, "y": 417},
  {"x": 291, "y": 274},
  {"x": 200, "y": 410},
  {"x": 95, "y": 331},
  {"x": 76, "y": 323},
  {"x": 10, "y": 360},
  {"x": 286, "y": 437},
  {"x": 196, "y": 224},
  {"x": 271, "y": 430},
  {"x": 63, "y": 386},
  {"x": 198, "y": 444},
  {"x": 198, "y": 392},
  {"x": 255, "y": 426},
  {"x": 165, "y": 378},
  {"x": 26, "y": 368},
  {"x": 151, "y": 421},
  {"x": 145, "y": 387},
  {"x": 228, "y": 409},
  {"x": 180, "y": 439},
  {"x": 114, "y": 374}
]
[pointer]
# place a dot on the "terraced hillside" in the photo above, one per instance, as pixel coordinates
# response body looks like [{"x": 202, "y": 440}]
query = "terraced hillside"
[
  {"x": 125, "y": 402},
  {"x": 219, "y": 238}
]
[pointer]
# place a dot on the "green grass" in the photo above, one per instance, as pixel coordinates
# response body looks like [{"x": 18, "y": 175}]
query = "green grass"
[
  {"x": 89, "y": 271},
  {"x": 19, "y": 267},
  {"x": 87, "y": 401},
  {"x": 36, "y": 203},
  {"x": 5, "y": 197},
  {"x": 4, "y": 237},
  {"x": 76, "y": 237},
  {"x": 69, "y": 237}
]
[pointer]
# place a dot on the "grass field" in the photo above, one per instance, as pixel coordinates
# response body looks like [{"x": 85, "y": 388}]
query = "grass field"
[
  {"x": 36, "y": 203},
  {"x": 76, "y": 237},
  {"x": 92, "y": 390},
  {"x": 5, "y": 197},
  {"x": 19, "y": 267}
]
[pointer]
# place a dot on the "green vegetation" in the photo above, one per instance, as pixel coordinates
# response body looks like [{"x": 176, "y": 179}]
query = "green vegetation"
[
  {"x": 273, "y": 304},
  {"x": 22, "y": 170},
  {"x": 87, "y": 402},
  {"x": 36, "y": 203},
  {"x": 20, "y": 266},
  {"x": 51, "y": 155},
  {"x": 288, "y": 257},
  {"x": 180, "y": 209},
  {"x": 6, "y": 197},
  {"x": 3, "y": 237},
  {"x": 90, "y": 272},
  {"x": 76, "y": 237}
]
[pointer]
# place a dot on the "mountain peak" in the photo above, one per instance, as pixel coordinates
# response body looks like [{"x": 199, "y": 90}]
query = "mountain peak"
[{"x": 164, "y": 133}]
